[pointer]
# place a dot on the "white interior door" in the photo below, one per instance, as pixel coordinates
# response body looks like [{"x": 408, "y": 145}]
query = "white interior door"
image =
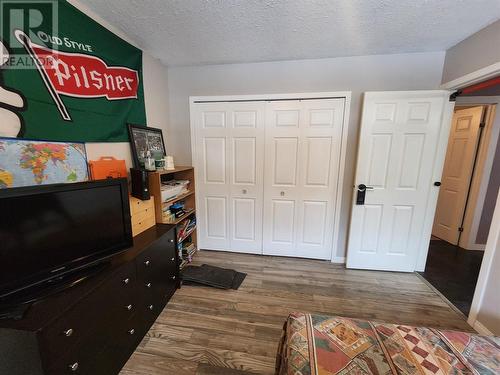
[
  {"x": 397, "y": 150},
  {"x": 229, "y": 142},
  {"x": 303, "y": 140},
  {"x": 457, "y": 172}
]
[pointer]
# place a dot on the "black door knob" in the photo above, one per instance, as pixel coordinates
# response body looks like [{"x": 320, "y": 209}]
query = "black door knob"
[{"x": 437, "y": 183}]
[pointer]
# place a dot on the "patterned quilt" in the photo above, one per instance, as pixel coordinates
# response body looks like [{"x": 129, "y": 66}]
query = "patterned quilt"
[{"x": 325, "y": 345}]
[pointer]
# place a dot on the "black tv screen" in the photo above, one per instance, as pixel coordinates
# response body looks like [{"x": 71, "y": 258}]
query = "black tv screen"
[{"x": 52, "y": 229}]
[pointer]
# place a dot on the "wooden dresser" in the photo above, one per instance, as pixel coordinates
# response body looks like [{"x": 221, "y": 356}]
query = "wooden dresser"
[
  {"x": 142, "y": 214},
  {"x": 94, "y": 327}
]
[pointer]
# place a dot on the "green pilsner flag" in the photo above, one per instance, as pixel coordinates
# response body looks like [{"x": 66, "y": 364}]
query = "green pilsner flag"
[{"x": 77, "y": 80}]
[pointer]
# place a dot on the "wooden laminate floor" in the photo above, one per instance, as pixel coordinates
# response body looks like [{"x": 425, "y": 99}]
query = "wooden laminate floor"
[{"x": 205, "y": 331}]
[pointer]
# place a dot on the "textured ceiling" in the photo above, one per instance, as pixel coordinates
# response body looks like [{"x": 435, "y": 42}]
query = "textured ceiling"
[{"x": 195, "y": 32}]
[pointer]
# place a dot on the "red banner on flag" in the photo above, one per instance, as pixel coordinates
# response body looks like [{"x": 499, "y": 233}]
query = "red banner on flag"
[{"x": 86, "y": 76}]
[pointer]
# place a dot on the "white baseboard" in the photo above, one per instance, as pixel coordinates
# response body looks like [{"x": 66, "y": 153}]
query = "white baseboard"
[
  {"x": 481, "y": 329},
  {"x": 340, "y": 260}
]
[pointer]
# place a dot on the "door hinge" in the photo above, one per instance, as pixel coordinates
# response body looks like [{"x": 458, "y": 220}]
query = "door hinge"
[
  {"x": 482, "y": 124},
  {"x": 461, "y": 229}
]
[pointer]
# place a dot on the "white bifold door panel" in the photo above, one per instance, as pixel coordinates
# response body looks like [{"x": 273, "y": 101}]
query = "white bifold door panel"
[
  {"x": 396, "y": 155},
  {"x": 301, "y": 174},
  {"x": 229, "y": 139},
  {"x": 457, "y": 173}
]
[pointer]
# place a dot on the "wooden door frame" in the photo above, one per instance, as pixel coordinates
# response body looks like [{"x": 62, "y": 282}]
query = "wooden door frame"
[
  {"x": 346, "y": 95},
  {"x": 493, "y": 238},
  {"x": 477, "y": 76},
  {"x": 458, "y": 83},
  {"x": 480, "y": 177}
]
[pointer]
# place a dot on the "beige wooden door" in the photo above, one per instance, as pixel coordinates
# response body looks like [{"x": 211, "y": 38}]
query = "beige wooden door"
[{"x": 457, "y": 172}]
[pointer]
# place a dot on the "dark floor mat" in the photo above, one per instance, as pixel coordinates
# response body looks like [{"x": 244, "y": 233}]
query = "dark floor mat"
[{"x": 216, "y": 277}]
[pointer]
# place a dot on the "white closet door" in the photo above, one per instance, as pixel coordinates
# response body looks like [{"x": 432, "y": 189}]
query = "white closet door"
[
  {"x": 229, "y": 150},
  {"x": 300, "y": 182},
  {"x": 246, "y": 163}
]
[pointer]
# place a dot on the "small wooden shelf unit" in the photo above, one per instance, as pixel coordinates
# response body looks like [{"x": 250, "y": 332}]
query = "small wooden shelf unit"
[{"x": 189, "y": 199}]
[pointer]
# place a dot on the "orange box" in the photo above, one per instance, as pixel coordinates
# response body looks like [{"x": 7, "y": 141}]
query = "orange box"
[{"x": 107, "y": 167}]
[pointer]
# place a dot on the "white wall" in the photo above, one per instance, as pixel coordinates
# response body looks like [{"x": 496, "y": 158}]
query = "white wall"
[
  {"x": 473, "y": 53},
  {"x": 155, "y": 96},
  {"x": 357, "y": 74},
  {"x": 485, "y": 309}
]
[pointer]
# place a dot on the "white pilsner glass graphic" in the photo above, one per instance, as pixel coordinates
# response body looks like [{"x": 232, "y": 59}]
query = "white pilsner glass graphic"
[{"x": 10, "y": 123}]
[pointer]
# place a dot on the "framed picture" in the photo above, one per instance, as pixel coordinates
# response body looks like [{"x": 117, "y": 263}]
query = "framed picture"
[
  {"x": 144, "y": 139},
  {"x": 26, "y": 162}
]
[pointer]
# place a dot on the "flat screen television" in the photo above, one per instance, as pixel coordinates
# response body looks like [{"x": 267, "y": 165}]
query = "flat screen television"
[{"x": 50, "y": 230}]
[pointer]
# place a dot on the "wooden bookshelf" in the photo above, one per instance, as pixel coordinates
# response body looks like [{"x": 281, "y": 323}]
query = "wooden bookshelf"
[
  {"x": 177, "y": 198},
  {"x": 189, "y": 199}
]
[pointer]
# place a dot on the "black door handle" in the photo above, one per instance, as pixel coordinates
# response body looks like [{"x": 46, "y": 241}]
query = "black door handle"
[
  {"x": 360, "y": 196},
  {"x": 363, "y": 187}
]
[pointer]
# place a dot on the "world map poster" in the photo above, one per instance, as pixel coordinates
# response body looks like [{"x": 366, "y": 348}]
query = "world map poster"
[{"x": 27, "y": 162}]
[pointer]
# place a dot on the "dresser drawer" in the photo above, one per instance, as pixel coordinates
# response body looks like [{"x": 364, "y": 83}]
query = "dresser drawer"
[
  {"x": 89, "y": 322},
  {"x": 115, "y": 355},
  {"x": 137, "y": 205},
  {"x": 157, "y": 268},
  {"x": 107, "y": 360},
  {"x": 143, "y": 215},
  {"x": 77, "y": 362},
  {"x": 139, "y": 226},
  {"x": 153, "y": 305}
]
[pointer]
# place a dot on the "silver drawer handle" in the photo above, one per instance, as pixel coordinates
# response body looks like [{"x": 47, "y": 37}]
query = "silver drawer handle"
[
  {"x": 148, "y": 285},
  {"x": 173, "y": 259},
  {"x": 126, "y": 281},
  {"x": 171, "y": 241},
  {"x": 151, "y": 307},
  {"x": 74, "y": 366},
  {"x": 129, "y": 307},
  {"x": 173, "y": 277},
  {"x": 68, "y": 332},
  {"x": 131, "y": 332},
  {"x": 147, "y": 263}
]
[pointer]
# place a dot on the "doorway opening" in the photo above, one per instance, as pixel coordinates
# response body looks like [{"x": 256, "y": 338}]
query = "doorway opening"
[{"x": 468, "y": 191}]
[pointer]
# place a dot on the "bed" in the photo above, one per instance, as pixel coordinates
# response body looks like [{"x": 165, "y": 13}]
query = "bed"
[{"x": 325, "y": 345}]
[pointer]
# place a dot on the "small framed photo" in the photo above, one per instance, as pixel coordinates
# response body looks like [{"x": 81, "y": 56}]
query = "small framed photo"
[{"x": 144, "y": 139}]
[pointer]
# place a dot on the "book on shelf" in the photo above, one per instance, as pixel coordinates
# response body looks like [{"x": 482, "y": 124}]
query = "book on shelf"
[
  {"x": 188, "y": 249},
  {"x": 173, "y": 188},
  {"x": 185, "y": 227}
]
